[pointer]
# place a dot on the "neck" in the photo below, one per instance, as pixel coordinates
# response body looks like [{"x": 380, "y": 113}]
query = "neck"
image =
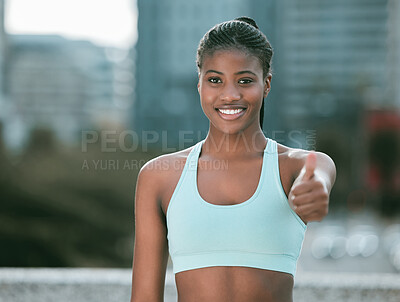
[{"x": 219, "y": 144}]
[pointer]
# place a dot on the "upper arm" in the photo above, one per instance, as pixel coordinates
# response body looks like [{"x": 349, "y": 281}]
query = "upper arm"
[
  {"x": 151, "y": 247},
  {"x": 326, "y": 169}
]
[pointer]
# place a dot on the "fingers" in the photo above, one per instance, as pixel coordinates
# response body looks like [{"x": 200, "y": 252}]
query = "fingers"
[
  {"x": 312, "y": 205},
  {"x": 309, "y": 213},
  {"x": 311, "y": 163},
  {"x": 314, "y": 195},
  {"x": 302, "y": 199},
  {"x": 297, "y": 192},
  {"x": 305, "y": 210},
  {"x": 302, "y": 187}
]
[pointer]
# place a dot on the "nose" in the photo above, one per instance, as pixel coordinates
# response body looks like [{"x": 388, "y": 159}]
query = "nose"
[{"x": 230, "y": 92}]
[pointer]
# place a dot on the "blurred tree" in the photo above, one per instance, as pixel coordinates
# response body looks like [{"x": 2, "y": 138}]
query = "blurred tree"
[
  {"x": 56, "y": 214},
  {"x": 384, "y": 159}
]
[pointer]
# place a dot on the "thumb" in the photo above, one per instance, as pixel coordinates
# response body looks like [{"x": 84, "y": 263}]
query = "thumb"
[{"x": 311, "y": 163}]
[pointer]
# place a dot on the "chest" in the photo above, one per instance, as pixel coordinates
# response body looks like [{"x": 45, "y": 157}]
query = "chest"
[
  {"x": 229, "y": 182},
  {"x": 232, "y": 183}
]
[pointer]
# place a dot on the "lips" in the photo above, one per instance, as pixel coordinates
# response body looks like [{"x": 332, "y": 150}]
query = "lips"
[{"x": 230, "y": 113}]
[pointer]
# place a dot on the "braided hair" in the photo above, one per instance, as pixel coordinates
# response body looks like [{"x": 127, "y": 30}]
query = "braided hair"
[{"x": 243, "y": 34}]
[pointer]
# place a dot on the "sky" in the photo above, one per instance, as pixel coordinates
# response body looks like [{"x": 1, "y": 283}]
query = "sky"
[{"x": 109, "y": 23}]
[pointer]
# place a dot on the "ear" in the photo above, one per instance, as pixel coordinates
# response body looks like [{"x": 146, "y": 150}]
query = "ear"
[
  {"x": 198, "y": 84},
  {"x": 267, "y": 84}
]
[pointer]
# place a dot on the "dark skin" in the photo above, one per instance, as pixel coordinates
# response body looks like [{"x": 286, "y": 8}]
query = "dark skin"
[{"x": 306, "y": 177}]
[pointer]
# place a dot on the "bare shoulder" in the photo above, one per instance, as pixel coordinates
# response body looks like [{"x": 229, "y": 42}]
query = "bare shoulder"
[
  {"x": 162, "y": 174},
  {"x": 165, "y": 165},
  {"x": 293, "y": 159}
]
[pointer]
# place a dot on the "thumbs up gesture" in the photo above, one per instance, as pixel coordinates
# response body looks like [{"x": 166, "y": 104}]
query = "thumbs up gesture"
[{"x": 309, "y": 197}]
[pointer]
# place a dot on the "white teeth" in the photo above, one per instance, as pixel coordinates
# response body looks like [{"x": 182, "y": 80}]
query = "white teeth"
[{"x": 230, "y": 111}]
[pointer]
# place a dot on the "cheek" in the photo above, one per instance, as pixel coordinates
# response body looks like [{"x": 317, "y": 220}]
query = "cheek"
[
  {"x": 207, "y": 94},
  {"x": 256, "y": 94}
]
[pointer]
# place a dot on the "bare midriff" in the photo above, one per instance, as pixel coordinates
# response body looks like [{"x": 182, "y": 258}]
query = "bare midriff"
[{"x": 233, "y": 284}]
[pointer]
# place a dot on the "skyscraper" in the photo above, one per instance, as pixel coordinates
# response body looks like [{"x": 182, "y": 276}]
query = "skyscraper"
[
  {"x": 59, "y": 84},
  {"x": 334, "y": 56},
  {"x": 394, "y": 52},
  {"x": 3, "y": 48}
]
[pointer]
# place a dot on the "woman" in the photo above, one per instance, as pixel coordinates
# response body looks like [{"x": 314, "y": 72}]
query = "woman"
[{"x": 232, "y": 209}]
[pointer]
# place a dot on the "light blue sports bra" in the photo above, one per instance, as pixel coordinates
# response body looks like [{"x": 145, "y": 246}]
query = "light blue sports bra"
[{"x": 261, "y": 232}]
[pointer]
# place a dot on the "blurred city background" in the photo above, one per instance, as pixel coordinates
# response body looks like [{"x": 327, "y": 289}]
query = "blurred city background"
[{"x": 91, "y": 90}]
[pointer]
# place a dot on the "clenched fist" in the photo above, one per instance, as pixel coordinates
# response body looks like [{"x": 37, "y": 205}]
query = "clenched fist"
[{"x": 309, "y": 195}]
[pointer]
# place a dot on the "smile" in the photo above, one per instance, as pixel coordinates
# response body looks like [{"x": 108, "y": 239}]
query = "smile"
[
  {"x": 231, "y": 114},
  {"x": 230, "y": 111}
]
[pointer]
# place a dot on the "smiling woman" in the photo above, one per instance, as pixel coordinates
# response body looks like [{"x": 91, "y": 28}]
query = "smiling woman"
[
  {"x": 234, "y": 232},
  {"x": 108, "y": 23},
  {"x": 232, "y": 86}
]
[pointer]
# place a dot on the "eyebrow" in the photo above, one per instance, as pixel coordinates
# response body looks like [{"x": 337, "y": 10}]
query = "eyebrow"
[{"x": 238, "y": 73}]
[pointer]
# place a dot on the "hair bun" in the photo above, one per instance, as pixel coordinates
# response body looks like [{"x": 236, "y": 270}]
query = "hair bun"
[{"x": 248, "y": 20}]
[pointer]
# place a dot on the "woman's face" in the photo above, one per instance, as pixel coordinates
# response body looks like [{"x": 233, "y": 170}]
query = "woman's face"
[{"x": 232, "y": 87}]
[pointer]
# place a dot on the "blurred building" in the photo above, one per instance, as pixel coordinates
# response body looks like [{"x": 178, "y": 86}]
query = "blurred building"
[
  {"x": 166, "y": 99},
  {"x": 62, "y": 85},
  {"x": 3, "y": 59},
  {"x": 339, "y": 59},
  {"x": 3, "y": 53},
  {"x": 335, "y": 57},
  {"x": 331, "y": 60},
  {"x": 394, "y": 52}
]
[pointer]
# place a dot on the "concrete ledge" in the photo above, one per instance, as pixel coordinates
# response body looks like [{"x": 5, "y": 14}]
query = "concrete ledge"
[
  {"x": 62, "y": 285},
  {"x": 109, "y": 285},
  {"x": 334, "y": 287}
]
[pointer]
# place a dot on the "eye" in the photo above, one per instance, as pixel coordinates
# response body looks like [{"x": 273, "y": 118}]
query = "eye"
[
  {"x": 214, "y": 80},
  {"x": 245, "y": 81}
]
